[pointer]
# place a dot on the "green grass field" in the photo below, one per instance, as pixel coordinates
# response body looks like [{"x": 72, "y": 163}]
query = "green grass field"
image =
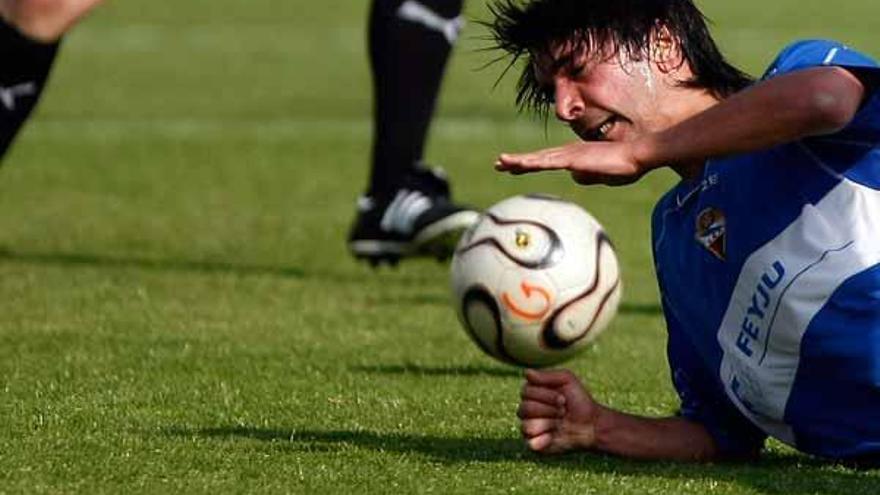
[{"x": 178, "y": 312}]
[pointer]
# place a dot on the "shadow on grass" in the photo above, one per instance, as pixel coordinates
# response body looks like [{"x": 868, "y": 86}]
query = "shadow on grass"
[
  {"x": 646, "y": 309},
  {"x": 442, "y": 449},
  {"x": 416, "y": 369},
  {"x": 95, "y": 260},
  {"x": 411, "y": 299},
  {"x": 90, "y": 260},
  {"x": 773, "y": 474}
]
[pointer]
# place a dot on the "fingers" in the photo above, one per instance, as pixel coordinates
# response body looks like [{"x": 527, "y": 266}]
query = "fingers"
[
  {"x": 552, "y": 403},
  {"x": 549, "y": 159},
  {"x": 540, "y": 410},
  {"x": 529, "y": 409},
  {"x": 543, "y": 409},
  {"x": 550, "y": 379},
  {"x": 541, "y": 436},
  {"x": 541, "y": 394},
  {"x": 539, "y": 443},
  {"x": 533, "y": 427},
  {"x": 505, "y": 163},
  {"x": 611, "y": 163}
]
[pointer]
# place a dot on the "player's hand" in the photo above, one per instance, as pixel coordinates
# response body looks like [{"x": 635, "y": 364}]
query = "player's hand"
[
  {"x": 557, "y": 413},
  {"x": 611, "y": 163}
]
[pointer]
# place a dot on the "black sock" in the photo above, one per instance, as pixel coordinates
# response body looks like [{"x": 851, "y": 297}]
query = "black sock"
[
  {"x": 26, "y": 65},
  {"x": 408, "y": 55}
]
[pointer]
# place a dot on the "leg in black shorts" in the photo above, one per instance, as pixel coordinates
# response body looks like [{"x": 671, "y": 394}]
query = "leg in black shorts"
[{"x": 24, "y": 68}]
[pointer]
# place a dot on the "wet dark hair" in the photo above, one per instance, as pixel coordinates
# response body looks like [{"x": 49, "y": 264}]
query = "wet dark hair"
[{"x": 523, "y": 29}]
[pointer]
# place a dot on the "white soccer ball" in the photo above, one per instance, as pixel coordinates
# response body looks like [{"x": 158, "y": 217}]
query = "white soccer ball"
[{"x": 535, "y": 280}]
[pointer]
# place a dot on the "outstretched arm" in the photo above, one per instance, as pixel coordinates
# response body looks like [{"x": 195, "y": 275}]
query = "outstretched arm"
[
  {"x": 809, "y": 102},
  {"x": 558, "y": 415}
]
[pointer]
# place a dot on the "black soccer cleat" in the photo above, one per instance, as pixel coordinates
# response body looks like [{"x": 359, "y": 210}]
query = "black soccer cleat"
[{"x": 419, "y": 220}]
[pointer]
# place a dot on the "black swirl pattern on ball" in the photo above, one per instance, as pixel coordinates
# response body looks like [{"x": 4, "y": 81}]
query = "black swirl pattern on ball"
[
  {"x": 553, "y": 254},
  {"x": 480, "y": 295},
  {"x": 549, "y": 336}
]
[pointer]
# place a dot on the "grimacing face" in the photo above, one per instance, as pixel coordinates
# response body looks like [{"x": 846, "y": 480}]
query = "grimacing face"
[{"x": 606, "y": 97}]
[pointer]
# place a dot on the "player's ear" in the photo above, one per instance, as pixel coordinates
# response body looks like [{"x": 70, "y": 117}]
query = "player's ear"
[{"x": 665, "y": 49}]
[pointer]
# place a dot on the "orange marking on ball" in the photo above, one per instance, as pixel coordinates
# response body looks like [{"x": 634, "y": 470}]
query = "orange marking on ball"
[{"x": 527, "y": 290}]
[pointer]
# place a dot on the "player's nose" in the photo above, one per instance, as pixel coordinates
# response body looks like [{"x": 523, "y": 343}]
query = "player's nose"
[{"x": 569, "y": 104}]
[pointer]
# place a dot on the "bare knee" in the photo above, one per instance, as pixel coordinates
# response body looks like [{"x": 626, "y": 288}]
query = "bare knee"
[{"x": 44, "y": 20}]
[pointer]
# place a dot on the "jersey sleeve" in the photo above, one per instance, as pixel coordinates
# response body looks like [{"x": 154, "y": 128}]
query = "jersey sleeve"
[
  {"x": 821, "y": 53},
  {"x": 852, "y": 151},
  {"x": 826, "y": 53},
  {"x": 703, "y": 400}
]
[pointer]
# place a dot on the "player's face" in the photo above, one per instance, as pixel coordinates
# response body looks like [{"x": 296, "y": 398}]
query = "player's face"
[{"x": 605, "y": 97}]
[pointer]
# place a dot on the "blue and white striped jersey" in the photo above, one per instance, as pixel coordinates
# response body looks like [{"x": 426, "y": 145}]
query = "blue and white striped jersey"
[{"x": 769, "y": 272}]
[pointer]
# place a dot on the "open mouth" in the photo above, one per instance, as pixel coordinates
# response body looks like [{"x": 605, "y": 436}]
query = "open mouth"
[
  {"x": 600, "y": 132},
  {"x": 606, "y": 126}
]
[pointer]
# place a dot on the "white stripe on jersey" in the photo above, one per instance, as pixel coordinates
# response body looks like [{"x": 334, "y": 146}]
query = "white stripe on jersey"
[
  {"x": 781, "y": 288},
  {"x": 830, "y": 56}
]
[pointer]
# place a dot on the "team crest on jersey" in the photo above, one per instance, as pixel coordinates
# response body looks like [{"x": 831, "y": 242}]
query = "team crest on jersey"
[{"x": 711, "y": 231}]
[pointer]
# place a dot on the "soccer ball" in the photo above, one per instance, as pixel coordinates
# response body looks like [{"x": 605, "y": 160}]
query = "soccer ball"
[{"x": 535, "y": 280}]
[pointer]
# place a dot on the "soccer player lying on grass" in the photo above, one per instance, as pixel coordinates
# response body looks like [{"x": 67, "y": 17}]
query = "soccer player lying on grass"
[
  {"x": 768, "y": 250},
  {"x": 29, "y": 35}
]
